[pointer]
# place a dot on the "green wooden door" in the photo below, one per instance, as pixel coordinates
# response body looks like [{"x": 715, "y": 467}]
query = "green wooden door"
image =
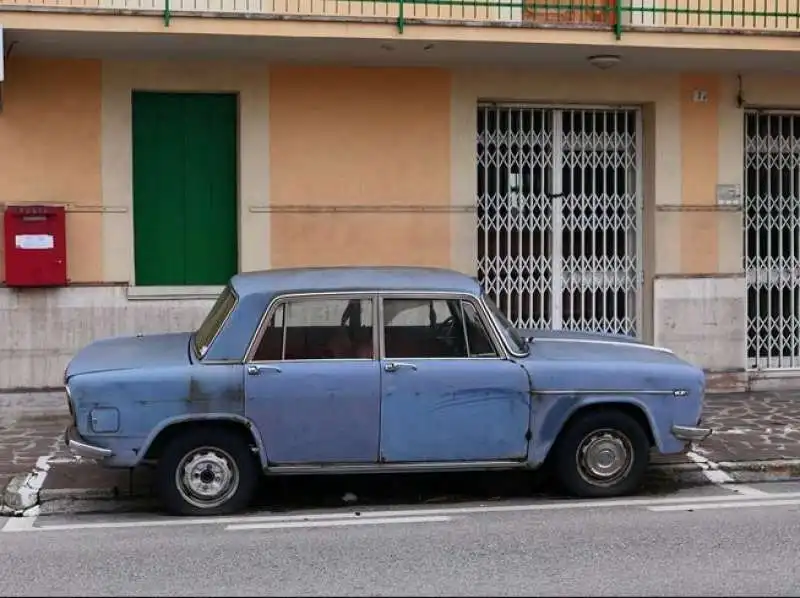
[{"x": 184, "y": 188}]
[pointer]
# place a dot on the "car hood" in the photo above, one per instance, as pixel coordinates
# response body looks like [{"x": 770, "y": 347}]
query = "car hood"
[
  {"x": 129, "y": 352},
  {"x": 573, "y": 335},
  {"x": 590, "y": 361},
  {"x": 591, "y": 346}
]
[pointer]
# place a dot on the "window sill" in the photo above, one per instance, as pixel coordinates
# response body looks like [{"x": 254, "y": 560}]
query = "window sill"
[{"x": 175, "y": 293}]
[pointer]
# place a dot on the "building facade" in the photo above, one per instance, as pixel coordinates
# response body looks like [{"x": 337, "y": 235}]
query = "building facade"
[{"x": 630, "y": 167}]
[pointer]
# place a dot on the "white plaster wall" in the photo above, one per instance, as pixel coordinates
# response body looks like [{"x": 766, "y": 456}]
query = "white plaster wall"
[
  {"x": 43, "y": 328},
  {"x": 702, "y": 320}
]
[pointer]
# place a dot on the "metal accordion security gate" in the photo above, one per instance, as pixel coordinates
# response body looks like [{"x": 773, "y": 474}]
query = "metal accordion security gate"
[
  {"x": 772, "y": 238},
  {"x": 559, "y": 215}
]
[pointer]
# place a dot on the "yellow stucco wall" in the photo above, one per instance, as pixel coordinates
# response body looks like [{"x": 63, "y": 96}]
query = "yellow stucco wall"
[
  {"x": 368, "y": 140},
  {"x": 50, "y": 148},
  {"x": 699, "y": 127},
  {"x": 251, "y": 83},
  {"x": 357, "y": 137}
]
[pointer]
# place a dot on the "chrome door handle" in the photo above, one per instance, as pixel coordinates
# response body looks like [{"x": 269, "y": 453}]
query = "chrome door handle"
[
  {"x": 255, "y": 370},
  {"x": 393, "y": 366}
]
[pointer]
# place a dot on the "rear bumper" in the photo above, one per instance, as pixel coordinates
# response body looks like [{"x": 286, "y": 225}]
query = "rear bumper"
[
  {"x": 78, "y": 446},
  {"x": 691, "y": 433}
]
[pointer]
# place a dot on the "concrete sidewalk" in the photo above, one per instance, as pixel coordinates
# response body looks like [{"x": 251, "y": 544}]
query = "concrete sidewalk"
[{"x": 756, "y": 438}]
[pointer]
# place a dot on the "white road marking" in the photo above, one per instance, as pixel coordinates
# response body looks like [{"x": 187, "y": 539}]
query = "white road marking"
[
  {"x": 29, "y": 490},
  {"x": 35, "y": 480},
  {"x": 716, "y": 476},
  {"x": 777, "y": 502},
  {"x": 335, "y": 523},
  {"x": 19, "y": 524},
  {"x": 452, "y": 511}
]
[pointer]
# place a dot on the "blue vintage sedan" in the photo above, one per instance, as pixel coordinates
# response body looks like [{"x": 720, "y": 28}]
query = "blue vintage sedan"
[{"x": 374, "y": 369}]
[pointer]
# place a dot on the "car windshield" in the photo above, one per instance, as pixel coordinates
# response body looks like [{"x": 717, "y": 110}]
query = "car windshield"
[
  {"x": 213, "y": 322},
  {"x": 507, "y": 329}
]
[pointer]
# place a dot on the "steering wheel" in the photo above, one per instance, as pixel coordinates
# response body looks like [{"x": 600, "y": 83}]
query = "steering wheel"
[{"x": 447, "y": 332}]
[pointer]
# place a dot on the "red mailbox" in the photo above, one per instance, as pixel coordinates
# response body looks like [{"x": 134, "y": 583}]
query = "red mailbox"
[{"x": 35, "y": 246}]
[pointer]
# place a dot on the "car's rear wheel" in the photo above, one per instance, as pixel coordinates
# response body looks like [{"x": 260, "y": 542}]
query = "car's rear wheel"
[
  {"x": 207, "y": 472},
  {"x": 602, "y": 453}
]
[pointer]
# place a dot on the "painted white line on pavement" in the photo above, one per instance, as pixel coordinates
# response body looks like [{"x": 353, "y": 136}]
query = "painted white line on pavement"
[
  {"x": 726, "y": 505},
  {"x": 716, "y": 476},
  {"x": 342, "y": 515},
  {"x": 35, "y": 480},
  {"x": 19, "y": 524},
  {"x": 27, "y": 495},
  {"x": 335, "y": 523}
]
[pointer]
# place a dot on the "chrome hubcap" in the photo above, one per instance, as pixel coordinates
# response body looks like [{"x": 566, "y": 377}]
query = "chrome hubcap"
[
  {"x": 207, "y": 477},
  {"x": 604, "y": 457}
]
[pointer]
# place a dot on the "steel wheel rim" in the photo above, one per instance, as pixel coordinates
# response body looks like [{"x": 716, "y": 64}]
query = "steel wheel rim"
[
  {"x": 207, "y": 477},
  {"x": 604, "y": 457}
]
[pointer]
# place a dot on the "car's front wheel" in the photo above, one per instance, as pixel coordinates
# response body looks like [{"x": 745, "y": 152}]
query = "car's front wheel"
[
  {"x": 207, "y": 472},
  {"x": 602, "y": 453}
]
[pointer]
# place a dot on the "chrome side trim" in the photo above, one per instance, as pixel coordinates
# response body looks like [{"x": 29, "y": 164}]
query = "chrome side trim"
[
  {"x": 77, "y": 446},
  {"x": 572, "y": 391},
  {"x": 690, "y": 433},
  {"x": 601, "y": 342},
  {"x": 355, "y": 468}
]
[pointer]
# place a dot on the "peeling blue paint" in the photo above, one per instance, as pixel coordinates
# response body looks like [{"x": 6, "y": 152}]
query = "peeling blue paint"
[{"x": 345, "y": 412}]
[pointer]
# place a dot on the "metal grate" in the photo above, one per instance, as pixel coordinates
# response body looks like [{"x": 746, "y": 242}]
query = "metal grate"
[
  {"x": 772, "y": 250},
  {"x": 558, "y": 215}
]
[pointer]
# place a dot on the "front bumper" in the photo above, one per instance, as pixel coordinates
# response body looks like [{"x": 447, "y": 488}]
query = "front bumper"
[
  {"x": 691, "y": 433},
  {"x": 78, "y": 446}
]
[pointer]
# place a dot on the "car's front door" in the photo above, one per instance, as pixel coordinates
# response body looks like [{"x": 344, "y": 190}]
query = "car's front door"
[
  {"x": 313, "y": 384},
  {"x": 448, "y": 394}
]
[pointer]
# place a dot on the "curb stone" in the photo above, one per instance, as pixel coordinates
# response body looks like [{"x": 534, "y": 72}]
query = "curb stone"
[
  {"x": 741, "y": 472},
  {"x": 111, "y": 500},
  {"x": 18, "y": 496},
  {"x": 749, "y": 472}
]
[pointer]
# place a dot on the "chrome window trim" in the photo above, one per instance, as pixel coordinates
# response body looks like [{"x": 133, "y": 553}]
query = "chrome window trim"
[
  {"x": 376, "y": 296},
  {"x": 499, "y": 347},
  {"x": 198, "y": 357},
  {"x": 487, "y": 313},
  {"x": 281, "y": 299},
  {"x": 496, "y": 344}
]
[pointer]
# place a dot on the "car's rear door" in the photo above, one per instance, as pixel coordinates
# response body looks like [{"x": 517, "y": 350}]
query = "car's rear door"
[{"x": 448, "y": 393}]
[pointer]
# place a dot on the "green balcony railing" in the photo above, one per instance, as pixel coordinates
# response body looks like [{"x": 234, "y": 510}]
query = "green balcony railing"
[{"x": 617, "y": 16}]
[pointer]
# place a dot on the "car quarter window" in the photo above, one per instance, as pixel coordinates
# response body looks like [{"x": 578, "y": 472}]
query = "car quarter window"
[
  {"x": 318, "y": 328},
  {"x": 479, "y": 342},
  {"x": 431, "y": 328}
]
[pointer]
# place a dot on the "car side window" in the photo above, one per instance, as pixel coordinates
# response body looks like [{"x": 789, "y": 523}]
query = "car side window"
[
  {"x": 318, "y": 328},
  {"x": 423, "y": 328},
  {"x": 479, "y": 342}
]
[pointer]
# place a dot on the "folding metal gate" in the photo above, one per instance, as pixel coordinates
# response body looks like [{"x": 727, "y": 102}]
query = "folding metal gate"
[
  {"x": 559, "y": 215},
  {"x": 772, "y": 238}
]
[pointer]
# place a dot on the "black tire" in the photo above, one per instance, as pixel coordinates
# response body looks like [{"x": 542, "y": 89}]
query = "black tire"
[
  {"x": 616, "y": 432},
  {"x": 219, "y": 453}
]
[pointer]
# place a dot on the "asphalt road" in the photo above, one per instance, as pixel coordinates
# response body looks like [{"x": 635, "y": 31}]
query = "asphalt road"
[{"x": 703, "y": 542}]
